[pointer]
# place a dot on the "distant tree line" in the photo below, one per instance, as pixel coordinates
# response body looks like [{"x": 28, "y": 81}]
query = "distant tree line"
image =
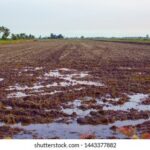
[
  {"x": 22, "y": 36},
  {"x": 5, "y": 34},
  {"x": 53, "y": 36}
]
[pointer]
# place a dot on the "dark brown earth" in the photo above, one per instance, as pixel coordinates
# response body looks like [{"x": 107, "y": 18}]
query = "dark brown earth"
[{"x": 122, "y": 67}]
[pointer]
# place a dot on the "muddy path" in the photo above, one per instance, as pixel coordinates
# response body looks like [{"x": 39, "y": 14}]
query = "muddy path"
[{"x": 66, "y": 89}]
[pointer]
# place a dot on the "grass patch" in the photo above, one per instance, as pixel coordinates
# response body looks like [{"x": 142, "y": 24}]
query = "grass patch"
[
  {"x": 13, "y": 41},
  {"x": 128, "y": 40}
]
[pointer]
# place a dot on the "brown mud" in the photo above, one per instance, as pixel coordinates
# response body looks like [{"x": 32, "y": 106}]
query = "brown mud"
[{"x": 73, "y": 84}]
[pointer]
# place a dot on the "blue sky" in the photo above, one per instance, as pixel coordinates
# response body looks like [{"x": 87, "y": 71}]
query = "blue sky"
[{"x": 77, "y": 17}]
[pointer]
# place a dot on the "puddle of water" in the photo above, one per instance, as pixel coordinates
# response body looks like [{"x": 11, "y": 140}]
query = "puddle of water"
[
  {"x": 92, "y": 83},
  {"x": 1, "y": 79},
  {"x": 16, "y": 95},
  {"x": 74, "y": 108},
  {"x": 100, "y": 102},
  {"x": 26, "y": 69},
  {"x": 51, "y": 93},
  {"x": 70, "y": 78},
  {"x": 8, "y": 107},
  {"x": 134, "y": 103},
  {"x": 74, "y": 130},
  {"x": 17, "y": 87},
  {"x": 23, "y": 88},
  {"x": 2, "y": 124},
  {"x": 65, "y": 69},
  {"x": 60, "y": 84},
  {"x": 38, "y": 68},
  {"x": 79, "y": 112}
]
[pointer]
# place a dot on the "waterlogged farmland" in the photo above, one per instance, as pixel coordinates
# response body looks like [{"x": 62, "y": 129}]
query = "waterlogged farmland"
[{"x": 74, "y": 89}]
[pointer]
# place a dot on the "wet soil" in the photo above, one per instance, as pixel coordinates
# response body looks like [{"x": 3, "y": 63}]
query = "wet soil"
[{"x": 65, "y": 89}]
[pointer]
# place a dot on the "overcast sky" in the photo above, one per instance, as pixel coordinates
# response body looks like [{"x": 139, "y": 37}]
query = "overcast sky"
[{"x": 77, "y": 17}]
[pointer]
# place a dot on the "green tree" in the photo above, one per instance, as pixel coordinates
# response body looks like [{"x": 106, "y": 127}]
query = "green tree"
[
  {"x": 13, "y": 37},
  {"x": 5, "y": 32},
  {"x": 147, "y": 36},
  {"x": 54, "y": 36}
]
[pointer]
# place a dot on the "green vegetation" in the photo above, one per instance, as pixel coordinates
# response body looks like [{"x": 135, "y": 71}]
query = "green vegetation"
[
  {"x": 9, "y": 41},
  {"x": 53, "y": 36},
  {"x": 22, "y": 36},
  {"x": 143, "y": 39},
  {"x": 5, "y": 32},
  {"x": 5, "y": 37},
  {"x": 126, "y": 39}
]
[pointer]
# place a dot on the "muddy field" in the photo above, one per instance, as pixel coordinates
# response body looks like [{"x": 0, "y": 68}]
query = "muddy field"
[{"x": 74, "y": 89}]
